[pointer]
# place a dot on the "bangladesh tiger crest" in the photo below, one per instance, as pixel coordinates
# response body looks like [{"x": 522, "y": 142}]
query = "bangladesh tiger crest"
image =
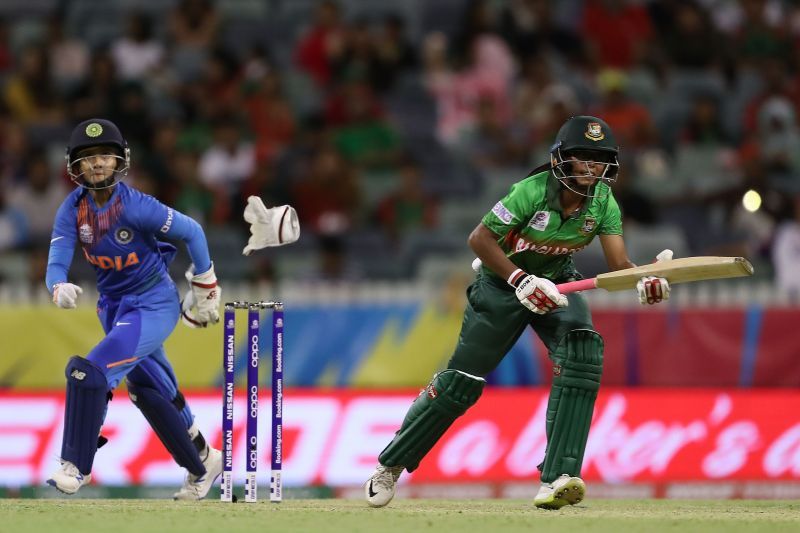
[
  {"x": 589, "y": 223},
  {"x": 594, "y": 132}
]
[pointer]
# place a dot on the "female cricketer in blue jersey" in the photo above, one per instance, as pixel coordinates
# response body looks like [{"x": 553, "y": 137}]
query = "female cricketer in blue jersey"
[{"x": 118, "y": 230}]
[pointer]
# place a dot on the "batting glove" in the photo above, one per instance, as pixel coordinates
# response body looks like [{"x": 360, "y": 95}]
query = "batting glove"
[
  {"x": 65, "y": 295},
  {"x": 537, "y": 294},
  {"x": 653, "y": 289}
]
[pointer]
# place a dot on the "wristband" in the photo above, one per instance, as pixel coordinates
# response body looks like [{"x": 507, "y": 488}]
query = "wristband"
[{"x": 516, "y": 277}]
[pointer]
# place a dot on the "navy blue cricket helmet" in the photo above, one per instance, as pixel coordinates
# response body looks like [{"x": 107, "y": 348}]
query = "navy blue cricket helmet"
[{"x": 97, "y": 132}]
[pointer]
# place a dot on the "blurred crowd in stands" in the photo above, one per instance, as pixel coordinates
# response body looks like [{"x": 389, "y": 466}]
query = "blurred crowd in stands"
[{"x": 394, "y": 125}]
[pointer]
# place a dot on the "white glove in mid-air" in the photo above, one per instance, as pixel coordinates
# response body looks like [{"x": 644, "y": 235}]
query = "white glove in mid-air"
[
  {"x": 65, "y": 295},
  {"x": 274, "y": 226},
  {"x": 200, "y": 305},
  {"x": 540, "y": 295},
  {"x": 653, "y": 289}
]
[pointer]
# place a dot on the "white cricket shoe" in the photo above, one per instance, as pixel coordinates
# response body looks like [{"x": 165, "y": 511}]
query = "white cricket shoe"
[
  {"x": 565, "y": 490},
  {"x": 379, "y": 488},
  {"x": 68, "y": 479},
  {"x": 197, "y": 487}
]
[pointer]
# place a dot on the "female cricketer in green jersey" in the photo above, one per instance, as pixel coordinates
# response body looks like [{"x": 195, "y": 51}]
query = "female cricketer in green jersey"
[{"x": 525, "y": 245}]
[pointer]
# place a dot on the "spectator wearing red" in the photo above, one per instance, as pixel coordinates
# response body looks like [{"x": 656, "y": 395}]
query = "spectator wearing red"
[
  {"x": 323, "y": 44},
  {"x": 328, "y": 199},
  {"x": 353, "y": 101},
  {"x": 618, "y": 32},
  {"x": 271, "y": 118}
]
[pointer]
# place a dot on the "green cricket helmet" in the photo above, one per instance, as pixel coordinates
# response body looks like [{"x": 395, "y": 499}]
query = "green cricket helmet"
[
  {"x": 91, "y": 133},
  {"x": 581, "y": 141}
]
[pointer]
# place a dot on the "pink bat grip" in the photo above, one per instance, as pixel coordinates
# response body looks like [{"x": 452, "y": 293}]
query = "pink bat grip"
[{"x": 575, "y": 286}]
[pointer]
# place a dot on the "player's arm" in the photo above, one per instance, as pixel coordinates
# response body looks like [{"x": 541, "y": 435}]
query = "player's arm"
[
  {"x": 537, "y": 294},
  {"x": 651, "y": 289},
  {"x": 59, "y": 258},
  {"x": 164, "y": 221},
  {"x": 615, "y": 252},
  {"x": 483, "y": 242}
]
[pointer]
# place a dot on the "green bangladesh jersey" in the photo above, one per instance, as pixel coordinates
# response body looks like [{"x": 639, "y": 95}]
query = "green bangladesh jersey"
[{"x": 535, "y": 237}]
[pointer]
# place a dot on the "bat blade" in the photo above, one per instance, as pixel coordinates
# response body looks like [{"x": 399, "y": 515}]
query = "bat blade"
[{"x": 681, "y": 270}]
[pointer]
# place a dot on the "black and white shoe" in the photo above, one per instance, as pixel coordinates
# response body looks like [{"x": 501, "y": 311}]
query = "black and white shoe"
[{"x": 379, "y": 488}]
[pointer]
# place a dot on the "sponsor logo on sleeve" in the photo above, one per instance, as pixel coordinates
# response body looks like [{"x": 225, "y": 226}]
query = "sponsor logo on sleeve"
[
  {"x": 502, "y": 213},
  {"x": 168, "y": 222},
  {"x": 539, "y": 220}
]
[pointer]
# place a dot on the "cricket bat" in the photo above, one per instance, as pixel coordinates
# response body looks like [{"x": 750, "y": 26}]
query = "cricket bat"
[{"x": 681, "y": 270}]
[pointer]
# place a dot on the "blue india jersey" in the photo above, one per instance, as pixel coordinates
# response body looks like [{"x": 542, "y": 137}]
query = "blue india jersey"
[{"x": 122, "y": 240}]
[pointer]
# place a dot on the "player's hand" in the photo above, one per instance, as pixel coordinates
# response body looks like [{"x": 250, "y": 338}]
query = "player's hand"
[
  {"x": 188, "y": 314},
  {"x": 653, "y": 289},
  {"x": 65, "y": 295},
  {"x": 200, "y": 306},
  {"x": 275, "y": 226},
  {"x": 538, "y": 294}
]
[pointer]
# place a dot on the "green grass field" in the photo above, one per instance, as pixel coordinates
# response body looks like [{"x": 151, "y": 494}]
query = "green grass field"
[{"x": 487, "y": 516}]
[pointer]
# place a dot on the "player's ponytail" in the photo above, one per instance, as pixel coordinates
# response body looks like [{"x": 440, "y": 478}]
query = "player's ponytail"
[{"x": 540, "y": 168}]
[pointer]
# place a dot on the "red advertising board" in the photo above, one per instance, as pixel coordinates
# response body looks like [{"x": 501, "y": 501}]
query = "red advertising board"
[{"x": 332, "y": 437}]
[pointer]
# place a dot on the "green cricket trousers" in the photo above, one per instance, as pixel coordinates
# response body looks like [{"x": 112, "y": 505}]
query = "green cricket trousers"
[{"x": 494, "y": 319}]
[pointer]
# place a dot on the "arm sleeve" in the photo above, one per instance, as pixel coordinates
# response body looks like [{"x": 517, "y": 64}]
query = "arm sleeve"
[
  {"x": 62, "y": 245},
  {"x": 508, "y": 212},
  {"x": 612, "y": 220},
  {"x": 166, "y": 222}
]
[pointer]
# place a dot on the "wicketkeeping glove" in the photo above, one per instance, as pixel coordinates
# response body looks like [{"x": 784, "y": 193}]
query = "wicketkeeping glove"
[
  {"x": 275, "y": 226},
  {"x": 653, "y": 289},
  {"x": 65, "y": 295},
  {"x": 537, "y": 294},
  {"x": 200, "y": 305}
]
